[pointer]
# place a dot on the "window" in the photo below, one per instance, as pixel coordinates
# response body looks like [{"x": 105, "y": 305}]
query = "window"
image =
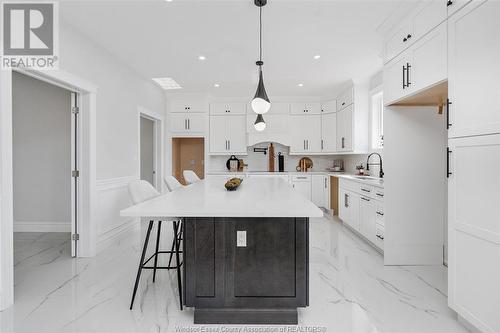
[{"x": 377, "y": 120}]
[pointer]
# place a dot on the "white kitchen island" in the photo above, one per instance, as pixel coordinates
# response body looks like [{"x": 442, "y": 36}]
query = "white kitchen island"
[{"x": 246, "y": 252}]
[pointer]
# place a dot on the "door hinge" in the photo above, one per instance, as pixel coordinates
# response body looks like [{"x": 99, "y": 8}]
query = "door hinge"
[
  {"x": 75, "y": 237},
  {"x": 75, "y": 109},
  {"x": 75, "y": 173}
]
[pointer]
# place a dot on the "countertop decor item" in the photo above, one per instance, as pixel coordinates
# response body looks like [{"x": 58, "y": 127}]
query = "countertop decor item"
[
  {"x": 270, "y": 165},
  {"x": 233, "y": 163},
  {"x": 305, "y": 163},
  {"x": 233, "y": 183}
]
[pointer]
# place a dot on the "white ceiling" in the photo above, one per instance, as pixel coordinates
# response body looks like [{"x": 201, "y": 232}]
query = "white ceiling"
[{"x": 164, "y": 39}]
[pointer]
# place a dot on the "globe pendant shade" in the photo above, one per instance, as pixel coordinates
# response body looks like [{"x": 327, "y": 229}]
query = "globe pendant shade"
[
  {"x": 259, "y": 124},
  {"x": 261, "y": 103}
]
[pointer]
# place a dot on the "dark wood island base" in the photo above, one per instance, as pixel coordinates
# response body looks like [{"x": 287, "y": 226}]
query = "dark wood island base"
[{"x": 240, "y": 270}]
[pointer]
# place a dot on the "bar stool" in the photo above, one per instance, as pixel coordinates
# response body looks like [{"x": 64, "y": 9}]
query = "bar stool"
[
  {"x": 172, "y": 183},
  {"x": 141, "y": 191},
  {"x": 190, "y": 177}
]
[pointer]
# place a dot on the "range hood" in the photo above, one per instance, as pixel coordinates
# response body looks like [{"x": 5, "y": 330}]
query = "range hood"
[{"x": 281, "y": 138}]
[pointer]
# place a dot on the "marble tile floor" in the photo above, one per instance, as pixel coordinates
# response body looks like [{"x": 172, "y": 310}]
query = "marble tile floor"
[{"x": 350, "y": 290}]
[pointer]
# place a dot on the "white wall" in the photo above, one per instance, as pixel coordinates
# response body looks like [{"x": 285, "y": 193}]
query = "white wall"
[
  {"x": 415, "y": 185},
  {"x": 41, "y": 123},
  {"x": 120, "y": 92}
]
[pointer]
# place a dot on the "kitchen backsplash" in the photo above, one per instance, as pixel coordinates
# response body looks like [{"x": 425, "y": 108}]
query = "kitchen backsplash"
[{"x": 259, "y": 161}]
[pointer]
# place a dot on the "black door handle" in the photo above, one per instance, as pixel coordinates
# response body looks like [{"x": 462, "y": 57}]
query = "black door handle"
[
  {"x": 448, "y": 103},
  {"x": 448, "y": 152},
  {"x": 449, "y": 3}
]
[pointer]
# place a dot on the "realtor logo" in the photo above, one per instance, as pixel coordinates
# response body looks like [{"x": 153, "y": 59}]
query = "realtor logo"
[{"x": 29, "y": 35}]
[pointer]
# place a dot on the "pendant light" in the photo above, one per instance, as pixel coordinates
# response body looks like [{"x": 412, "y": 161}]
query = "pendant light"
[
  {"x": 259, "y": 124},
  {"x": 260, "y": 103}
]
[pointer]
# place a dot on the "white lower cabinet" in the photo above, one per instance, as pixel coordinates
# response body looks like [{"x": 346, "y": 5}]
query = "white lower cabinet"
[
  {"x": 362, "y": 209},
  {"x": 474, "y": 230},
  {"x": 302, "y": 184},
  {"x": 321, "y": 191}
]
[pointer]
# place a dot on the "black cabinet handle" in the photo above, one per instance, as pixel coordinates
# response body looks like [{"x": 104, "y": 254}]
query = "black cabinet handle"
[
  {"x": 379, "y": 194},
  {"x": 343, "y": 142},
  {"x": 381, "y": 237},
  {"x": 404, "y": 39},
  {"x": 409, "y": 36},
  {"x": 381, "y": 214},
  {"x": 408, "y": 66},
  {"x": 365, "y": 190},
  {"x": 346, "y": 203},
  {"x": 404, "y": 77},
  {"x": 449, "y": 3},
  {"x": 365, "y": 199},
  {"x": 321, "y": 144},
  {"x": 448, "y": 152},
  {"x": 448, "y": 103},
  {"x": 343, "y": 103}
]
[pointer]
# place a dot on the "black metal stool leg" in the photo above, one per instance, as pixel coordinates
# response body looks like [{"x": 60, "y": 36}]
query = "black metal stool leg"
[
  {"x": 179, "y": 278},
  {"x": 146, "y": 241},
  {"x": 172, "y": 250},
  {"x": 157, "y": 246}
]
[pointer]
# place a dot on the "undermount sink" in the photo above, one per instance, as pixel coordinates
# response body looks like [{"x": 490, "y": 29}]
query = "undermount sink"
[{"x": 370, "y": 178}]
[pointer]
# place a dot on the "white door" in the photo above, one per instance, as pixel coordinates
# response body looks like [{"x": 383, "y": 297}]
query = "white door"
[
  {"x": 178, "y": 123},
  {"x": 298, "y": 134},
  {"x": 318, "y": 190},
  {"x": 329, "y": 133},
  {"x": 474, "y": 230},
  {"x": 196, "y": 123},
  {"x": 237, "y": 134},
  {"x": 395, "y": 80},
  {"x": 312, "y": 128},
  {"x": 474, "y": 70},
  {"x": 344, "y": 129},
  {"x": 218, "y": 134},
  {"x": 303, "y": 188},
  {"x": 427, "y": 16},
  {"x": 429, "y": 60},
  {"x": 367, "y": 218}
]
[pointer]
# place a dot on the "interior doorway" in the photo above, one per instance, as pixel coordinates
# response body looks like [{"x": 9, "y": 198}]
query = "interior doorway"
[
  {"x": 188, "y": 154},
  {"x": 150, "y": 147},
  {"x": 45, "y": 141}
]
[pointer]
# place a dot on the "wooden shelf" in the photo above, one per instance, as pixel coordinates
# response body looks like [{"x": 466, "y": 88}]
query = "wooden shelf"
[{"x": 433, "y": 96}]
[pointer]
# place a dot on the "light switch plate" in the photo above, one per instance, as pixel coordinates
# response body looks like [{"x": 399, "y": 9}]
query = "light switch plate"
[{"x": 241, "y": 238}]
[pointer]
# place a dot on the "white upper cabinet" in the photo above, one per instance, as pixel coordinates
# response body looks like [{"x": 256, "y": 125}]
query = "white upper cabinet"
[
  {"x": 305, "y": 134},
  {"x": 345, "y": 129},
  {"x": 329, "y": 106},
  {"x": 454, "y": 5},
  {"x": 418, "y": 68},
  {"x": 305, "y": 108},
  {"x": 474, "y": 70},
  {"x": 227, "y": 108},
  {"x": 228, "y": 135},
  {"x": 187, "y": 124},
  {"x": 329, "y": 132},
  {"x": 425, "y": 16},
  {"x": 187, "y": 105}
]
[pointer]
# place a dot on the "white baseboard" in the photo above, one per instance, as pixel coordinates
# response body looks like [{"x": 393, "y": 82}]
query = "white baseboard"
[
  {"x": 41, "y": 226},
  {"x": 112, "y": 236}
]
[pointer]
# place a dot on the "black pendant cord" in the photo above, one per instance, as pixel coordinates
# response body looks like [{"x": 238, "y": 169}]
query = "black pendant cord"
[{"x": 260, "y": 35}]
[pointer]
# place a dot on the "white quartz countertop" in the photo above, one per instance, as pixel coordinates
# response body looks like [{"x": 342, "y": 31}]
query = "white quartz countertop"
[{"x": 256, "y": 197}]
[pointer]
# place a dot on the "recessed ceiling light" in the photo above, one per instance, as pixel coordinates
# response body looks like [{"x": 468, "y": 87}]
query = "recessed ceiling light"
[
  {"x": 216, "y": 85},
  {"x": 201, "y": 58},
  {"x": 167, "y": 83},
  {"x": 300, "y": 84},
  {"x": 317, "y": 56},
  {"x": 168, "y": 0}
]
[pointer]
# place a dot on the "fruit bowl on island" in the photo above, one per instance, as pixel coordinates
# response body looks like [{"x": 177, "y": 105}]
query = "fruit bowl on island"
[{"x": 232, "y": 184}]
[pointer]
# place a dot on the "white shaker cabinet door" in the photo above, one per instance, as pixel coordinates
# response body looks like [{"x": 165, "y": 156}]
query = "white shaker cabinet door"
[
  {"x": 303, "y": 188},
  {"x": 237, "y": 134},
  {"x": 395, "y": 79},
  {"x": 474, "y": 69},
  {"x": 318, "y": 190},
  {"x": 329, "y": 132},
  {"x": 218, "y": 134},
  {"x": 474, "y": 230}
]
